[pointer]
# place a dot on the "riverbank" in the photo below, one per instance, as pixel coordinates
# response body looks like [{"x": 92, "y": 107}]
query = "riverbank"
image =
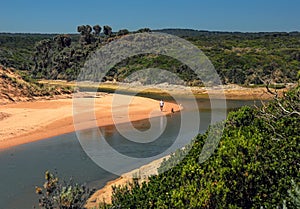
[
  {"x": 230, "y": 91},
  {"x": 26, "y": 122},
  {"x": 233, "y": 92},
  {"x": 141, "y": 174}
]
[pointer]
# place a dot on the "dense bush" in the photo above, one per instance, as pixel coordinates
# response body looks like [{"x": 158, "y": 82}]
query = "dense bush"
[
  {"x": 253, "y": 167},
  {"x": 294, "y": 194}
]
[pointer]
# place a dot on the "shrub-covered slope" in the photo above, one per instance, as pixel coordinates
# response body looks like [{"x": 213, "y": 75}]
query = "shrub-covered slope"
[
  {"x": 253, "y": 167},
  {"x": 241, "y": 58},
  {"x": 16, "y": 88}
]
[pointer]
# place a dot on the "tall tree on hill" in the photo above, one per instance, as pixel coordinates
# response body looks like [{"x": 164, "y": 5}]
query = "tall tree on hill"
[
  {"x": 89, "y": 29},
  {"x": 81, "y": 29},
  {"x": 107, "y": 30},
  {"x": 85, "y": 34},
  {"x": 97, "y": 29}
]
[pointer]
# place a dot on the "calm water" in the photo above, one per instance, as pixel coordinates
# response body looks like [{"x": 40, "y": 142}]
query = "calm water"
[{"x": 23, "y": 167}]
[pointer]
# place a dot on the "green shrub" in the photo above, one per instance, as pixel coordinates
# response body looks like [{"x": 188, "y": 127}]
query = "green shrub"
[
  {"x": 252, "y": 167},
  {"x": 55, "y": 194}
]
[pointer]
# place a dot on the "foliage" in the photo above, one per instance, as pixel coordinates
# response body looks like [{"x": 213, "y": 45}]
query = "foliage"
[
  {"x": 241, "y": 58},
  {"x": 123, "y": 32},
  {"x": 107, "y": 30},
  {"x": 55, "y": 194},
  {"x": 144, "y": 30},
  {"x": 248, "y": 58},
  {"x": 16, "y": 49},
  {"x": 97, "y": 29},
  {"x": 251, "y": 168},
  {"x": 54, "y": 59},
  {"x": 294, "y": 194}
]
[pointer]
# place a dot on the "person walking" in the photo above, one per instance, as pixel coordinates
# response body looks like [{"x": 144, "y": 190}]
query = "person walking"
[{"x": 161, "y": 104}]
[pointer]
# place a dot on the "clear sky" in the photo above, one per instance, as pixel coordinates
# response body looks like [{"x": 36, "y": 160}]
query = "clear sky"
[{"x": 64, "y": 16}]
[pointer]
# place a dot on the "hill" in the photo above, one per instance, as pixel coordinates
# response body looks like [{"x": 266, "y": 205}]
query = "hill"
[
  {"x": 239, "y": 58},
  {"x": 15, "y": 88}
]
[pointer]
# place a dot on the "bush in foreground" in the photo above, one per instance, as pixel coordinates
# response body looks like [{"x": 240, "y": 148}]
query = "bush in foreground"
[
  {"x": 55, "y": 194},
  {"x": 253, "y": 166}
]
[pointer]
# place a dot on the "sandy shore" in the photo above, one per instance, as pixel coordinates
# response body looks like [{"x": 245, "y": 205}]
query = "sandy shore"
[
  {"x": 26, "y": 122},
  {"x": 231, "y": 91},
  {"x": 142, "y": 174}
]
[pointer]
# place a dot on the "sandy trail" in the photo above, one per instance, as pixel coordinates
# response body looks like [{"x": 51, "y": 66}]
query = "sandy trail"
[{"x": 31, "y": 121}]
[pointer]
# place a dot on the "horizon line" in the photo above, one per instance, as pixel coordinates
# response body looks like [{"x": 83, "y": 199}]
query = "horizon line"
[{"x": 158, "y": 29}]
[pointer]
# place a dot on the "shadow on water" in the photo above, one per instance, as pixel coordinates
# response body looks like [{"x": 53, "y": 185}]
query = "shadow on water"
[{"x": 23, "y": 167}]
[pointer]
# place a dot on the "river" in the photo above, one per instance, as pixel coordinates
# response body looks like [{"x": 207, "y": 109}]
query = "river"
[{"x": 23, "y": 167}]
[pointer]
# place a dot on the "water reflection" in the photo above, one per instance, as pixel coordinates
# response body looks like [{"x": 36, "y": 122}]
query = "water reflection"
[
  {"x": 161, "y": 123},
  {"x": 22, "y": 167}
]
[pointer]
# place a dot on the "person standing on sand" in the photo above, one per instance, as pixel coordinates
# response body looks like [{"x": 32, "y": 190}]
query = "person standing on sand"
[
  {"x": 172, "y": 110},
  {"x": 161, "y": 104}
]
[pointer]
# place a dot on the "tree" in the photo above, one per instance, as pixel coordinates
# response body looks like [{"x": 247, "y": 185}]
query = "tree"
[
  {"x": 123, "y": 32},
  {"x": 144, "y": 30},
  {"x": 81, "y": 29},
  {"x": 63, "y": 41},
  {"x": 67, "y": 40},
  {"x": 97, "y": 29},
  {"x": 88, "y": 29},
  {"x": 107, "y": 30},
  {"x": 85, "y": 34}
]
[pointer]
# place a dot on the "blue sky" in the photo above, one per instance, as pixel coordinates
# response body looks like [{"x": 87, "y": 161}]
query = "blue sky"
[{"x": 64, "y": 16}]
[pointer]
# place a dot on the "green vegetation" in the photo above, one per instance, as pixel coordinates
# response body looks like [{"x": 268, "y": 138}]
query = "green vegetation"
[
  {"x": 256, "y": 165},
  {"x": 17, "y": 86},
  {"x": 241, "y": 58},
  {"x": 55, "y": 194},
  {"x": 294, "y": 194},
  {"x": 253, "y": 167},
  {"x": 249, "y": 58},
  {"x": 16, "y": 50}
]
